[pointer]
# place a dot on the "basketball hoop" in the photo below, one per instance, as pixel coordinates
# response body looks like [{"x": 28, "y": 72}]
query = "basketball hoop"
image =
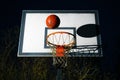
[{"x": 60, "y": 44}]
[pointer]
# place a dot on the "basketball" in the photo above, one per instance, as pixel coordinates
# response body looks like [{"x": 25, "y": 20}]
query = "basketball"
[
  {"x": 52, "y": 21},
  {"x": 60, "y": 51}
]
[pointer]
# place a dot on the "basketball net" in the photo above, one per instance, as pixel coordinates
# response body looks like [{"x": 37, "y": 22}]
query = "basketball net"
[{"x": 60, "y": 44}]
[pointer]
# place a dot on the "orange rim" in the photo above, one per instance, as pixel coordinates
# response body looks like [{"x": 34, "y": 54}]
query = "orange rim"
[{"x": 61, "y": 32}]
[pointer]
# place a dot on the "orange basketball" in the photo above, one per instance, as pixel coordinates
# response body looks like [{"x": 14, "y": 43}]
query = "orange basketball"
[
  {"x": 52, "y": 21},
  {"x": 60, "y": 51}
]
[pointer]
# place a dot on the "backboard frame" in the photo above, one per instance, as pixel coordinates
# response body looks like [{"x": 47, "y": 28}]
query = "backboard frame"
[{"x": 37, "y": 54}]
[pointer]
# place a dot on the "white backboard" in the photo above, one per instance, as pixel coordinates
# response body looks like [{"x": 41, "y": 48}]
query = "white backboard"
[{"x": 32, "y": 42}]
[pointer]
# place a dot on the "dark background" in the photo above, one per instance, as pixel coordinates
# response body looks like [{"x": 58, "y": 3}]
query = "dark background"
[{"x": 11, "y": 11}]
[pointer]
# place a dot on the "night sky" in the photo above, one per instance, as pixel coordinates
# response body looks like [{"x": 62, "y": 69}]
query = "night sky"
[{"x": 11, "y": 11}]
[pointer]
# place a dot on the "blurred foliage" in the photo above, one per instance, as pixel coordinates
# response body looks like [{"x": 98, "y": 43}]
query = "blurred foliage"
[{"x": 23, "y": 68}]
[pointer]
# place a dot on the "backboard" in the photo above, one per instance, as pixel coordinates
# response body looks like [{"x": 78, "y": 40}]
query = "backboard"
[{"x": 84, "y": 24}]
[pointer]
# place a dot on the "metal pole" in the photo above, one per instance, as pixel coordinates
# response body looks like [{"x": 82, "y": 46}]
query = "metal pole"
[{"x": 59, "y": 74}]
